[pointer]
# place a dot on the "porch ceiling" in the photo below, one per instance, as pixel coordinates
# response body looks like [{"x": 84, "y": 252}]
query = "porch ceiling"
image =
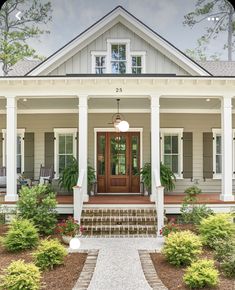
[{"x": 99, "y": 104}]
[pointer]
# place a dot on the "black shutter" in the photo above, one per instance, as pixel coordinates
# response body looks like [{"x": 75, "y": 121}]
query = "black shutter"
[
  {"x": 188, "y": 155},
  {"x": 207, "y": 155},
  {"x": 49, "y": 149},
  {"x": 29, "y": 155}
]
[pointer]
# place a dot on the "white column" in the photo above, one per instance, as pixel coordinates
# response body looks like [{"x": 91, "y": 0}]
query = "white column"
[
  {"x": 83, "y": 141},
  {"x": 227, "y": 149},
  {"x": 155, "y": 146},
  {"x": 11, "y": 134}
]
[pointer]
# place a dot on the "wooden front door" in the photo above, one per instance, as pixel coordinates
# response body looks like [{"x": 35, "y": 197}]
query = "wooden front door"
[{"x": 118, "y": 162}]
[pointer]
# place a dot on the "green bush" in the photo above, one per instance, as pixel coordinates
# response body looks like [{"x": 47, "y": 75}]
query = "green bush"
[
  {"x": 228, "y": 266},
  {"x": 181, "y": 248},
  {"x": 21, "y": 235},
  {"x": 216, "y": 227},
  {"x": 49, "y": 254},
  {"x": 193, "y": 214},
  {"x": 223, "y": 249},
  {"x": 38, "y": 203},
  {"x": 200, "y": 274},
  {"x": 21, "y": 275}
]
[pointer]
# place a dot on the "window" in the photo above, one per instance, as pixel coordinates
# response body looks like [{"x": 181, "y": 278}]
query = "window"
[
  {"x": 172, "y": 150},
  {"x": 19, "y": 150},
  {"x": 100, "y": 64},
  {"x": 118, "y": 58},
  {"x": 136, "y": 65},
  {"x": 65, "y": 148}
]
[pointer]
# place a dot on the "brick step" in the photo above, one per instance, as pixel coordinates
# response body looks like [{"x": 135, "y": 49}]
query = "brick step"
[
  {"x": 118, "y": 218},
  {"x": 105, "y": 212},
  {"x": 120, "y": 231}
]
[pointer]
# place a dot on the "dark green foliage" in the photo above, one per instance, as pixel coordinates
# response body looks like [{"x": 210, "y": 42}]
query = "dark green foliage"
[
  {"x": 21, "y": 235},
  {"x": 49, "y": 254},
  {"x": 69, "y": 176},
  {"x": 20, "y": 275},
  {"x": 228, "y": 266},
  {"x": 38, "y": 203},
  {"x": 200, "y": 274}
]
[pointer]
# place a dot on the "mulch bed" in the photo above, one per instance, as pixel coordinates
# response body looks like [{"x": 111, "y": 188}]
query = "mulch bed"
[
  {"x": 172, "y": 277},
  {"x": 62, "y": 277}
]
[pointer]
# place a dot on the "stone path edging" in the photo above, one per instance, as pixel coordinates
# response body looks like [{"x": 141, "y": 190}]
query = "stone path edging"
[
  {"x": 87, "y": 271},
  {"x": 150, "y": 272}
]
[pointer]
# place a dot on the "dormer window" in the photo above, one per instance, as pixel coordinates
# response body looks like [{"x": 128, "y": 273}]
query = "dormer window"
[{"x": 118, "y": 59}]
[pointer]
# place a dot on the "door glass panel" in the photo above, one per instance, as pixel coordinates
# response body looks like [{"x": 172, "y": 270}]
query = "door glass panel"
[
  {"x": 101, "y": 155},
  {"x": 118, "y": 155},
  {"x": 134, "y": 154}
]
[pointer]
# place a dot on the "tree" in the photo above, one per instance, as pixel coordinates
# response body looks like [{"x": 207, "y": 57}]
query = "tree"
[
  {"x": 15, "y": 32},
  {"x": 222, "y": 14}
]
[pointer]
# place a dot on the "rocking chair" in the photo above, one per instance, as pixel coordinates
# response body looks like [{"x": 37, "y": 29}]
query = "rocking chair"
[{"x": 46, "y": 175}]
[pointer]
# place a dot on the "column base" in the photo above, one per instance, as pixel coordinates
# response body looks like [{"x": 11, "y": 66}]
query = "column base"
[
  {"x": 224, "y": 197},
  {"x": 85, "y": 198},
  {"x": 152, "y": 197},
  {"x": 11, "y": 198}
]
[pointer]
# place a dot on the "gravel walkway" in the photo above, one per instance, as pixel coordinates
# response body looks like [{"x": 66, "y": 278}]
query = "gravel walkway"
[{"x": 118, "y": 265}]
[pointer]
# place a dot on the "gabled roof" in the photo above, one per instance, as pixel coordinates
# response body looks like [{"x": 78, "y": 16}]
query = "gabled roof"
[
  {"x": 219, "y": 68},
  {"x": 118, "y": 14}
]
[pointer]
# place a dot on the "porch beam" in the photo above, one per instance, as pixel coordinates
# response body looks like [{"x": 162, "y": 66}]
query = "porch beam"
[
  {"x": 83, "y": 141},
  {"x": 227, "y": 151},
  {"x": 11, "y": 139}
]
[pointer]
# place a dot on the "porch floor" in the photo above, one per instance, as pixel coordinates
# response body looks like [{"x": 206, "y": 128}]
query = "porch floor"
[{"x": 172, "y": 198}]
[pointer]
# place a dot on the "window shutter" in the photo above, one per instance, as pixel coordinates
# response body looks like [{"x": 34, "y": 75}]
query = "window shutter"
[
  {"x": 77, "y": 135},
  {"x": 1, "y": 144},
  {"x": 187, "y": 155},
  {"x": 29, "y": 155},
  {"x": 49, "y": 149},
  {"x": 207, "y": 155}
]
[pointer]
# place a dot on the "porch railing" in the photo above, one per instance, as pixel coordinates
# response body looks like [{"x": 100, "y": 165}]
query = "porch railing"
[
  {"x": 78, "y": 195},
  {"x": 159, "y": 203}
]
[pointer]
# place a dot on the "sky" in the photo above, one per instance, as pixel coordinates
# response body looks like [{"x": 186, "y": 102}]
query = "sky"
[{"x": 71, "y": 17}]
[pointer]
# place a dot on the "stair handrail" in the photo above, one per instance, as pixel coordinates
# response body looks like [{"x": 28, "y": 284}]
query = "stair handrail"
[
  {"x": 159, "y": 202},
  {"x": 78, "y": 192}
]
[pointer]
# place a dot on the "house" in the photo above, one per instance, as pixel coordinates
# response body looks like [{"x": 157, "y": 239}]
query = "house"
[{"x": 178, "y": 111}]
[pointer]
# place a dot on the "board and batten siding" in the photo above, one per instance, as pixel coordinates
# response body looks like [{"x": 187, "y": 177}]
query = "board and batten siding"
[{"x": 156, "y": 62}]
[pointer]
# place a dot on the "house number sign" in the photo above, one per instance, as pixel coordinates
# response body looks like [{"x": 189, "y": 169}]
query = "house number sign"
[{"x": 118, "y": 90}]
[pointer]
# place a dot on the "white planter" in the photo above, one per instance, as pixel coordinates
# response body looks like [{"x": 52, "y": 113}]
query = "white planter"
[{"x": 66, "y": 239}]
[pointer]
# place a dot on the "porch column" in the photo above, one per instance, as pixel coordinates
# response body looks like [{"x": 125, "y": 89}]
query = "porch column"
[
  {"x": 155, "y": 145},
  {"x": 82, "y": 140},
  {"x": 11, "y": 138},
  {"x": 227, "y": 149}
]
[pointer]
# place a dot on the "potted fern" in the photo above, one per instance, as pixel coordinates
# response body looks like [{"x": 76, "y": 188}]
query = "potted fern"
[
  {"x": 167, "y": 177},
  {"x": 69, "y": 176}
]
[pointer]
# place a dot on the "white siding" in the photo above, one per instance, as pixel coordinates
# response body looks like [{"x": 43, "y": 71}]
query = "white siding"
[{"x": 156, "y": 62}]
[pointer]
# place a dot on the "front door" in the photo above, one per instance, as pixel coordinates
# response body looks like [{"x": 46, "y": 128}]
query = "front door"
[{"x": 118, "y": 162}]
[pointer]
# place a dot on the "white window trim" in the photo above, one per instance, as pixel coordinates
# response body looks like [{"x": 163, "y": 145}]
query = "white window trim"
[
  {"x": 128, "y": 59},
  {"x": 178, "y": 131},
  {"x": 20, "y": 132},
  {"x": 57, "y": 132},
  {"x": 93, "y": 56},
  {"x": 143, "y": 59}
]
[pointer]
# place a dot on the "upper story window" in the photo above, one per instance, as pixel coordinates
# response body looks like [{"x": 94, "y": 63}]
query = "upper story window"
[
  {"x": 118, "y": 58},
  {"x": 100, "y": 64}
]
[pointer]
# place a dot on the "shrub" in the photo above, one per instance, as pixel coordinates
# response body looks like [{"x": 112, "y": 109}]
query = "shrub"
[
  {"x": 200, "y": 274},
  {"x": 169, "y": 228},
  {"x": 223, "y": 249},
  {"x": 21, "y": 235},
  {"x": 216, "y": 227},
  {"x": 49, "y": 254},
  {"x": 38, "y": 204},
  {"x": 181, "y": 248},
  {"x": 228, "y": 266},
  {"x": 193, "y": 214},
  {"x": 21, "y": 275}
]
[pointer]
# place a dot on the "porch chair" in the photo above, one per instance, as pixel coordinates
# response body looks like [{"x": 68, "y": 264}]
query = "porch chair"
[{"x": 46, "y": 175}]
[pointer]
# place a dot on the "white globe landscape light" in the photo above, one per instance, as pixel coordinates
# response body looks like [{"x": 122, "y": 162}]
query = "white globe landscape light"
[
  {"x": 75, "y": 243},
  {"x": 123, "y": 126}
]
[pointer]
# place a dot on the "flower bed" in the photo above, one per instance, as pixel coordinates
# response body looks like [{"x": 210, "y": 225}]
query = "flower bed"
[{"x": 61, "y": 277}]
